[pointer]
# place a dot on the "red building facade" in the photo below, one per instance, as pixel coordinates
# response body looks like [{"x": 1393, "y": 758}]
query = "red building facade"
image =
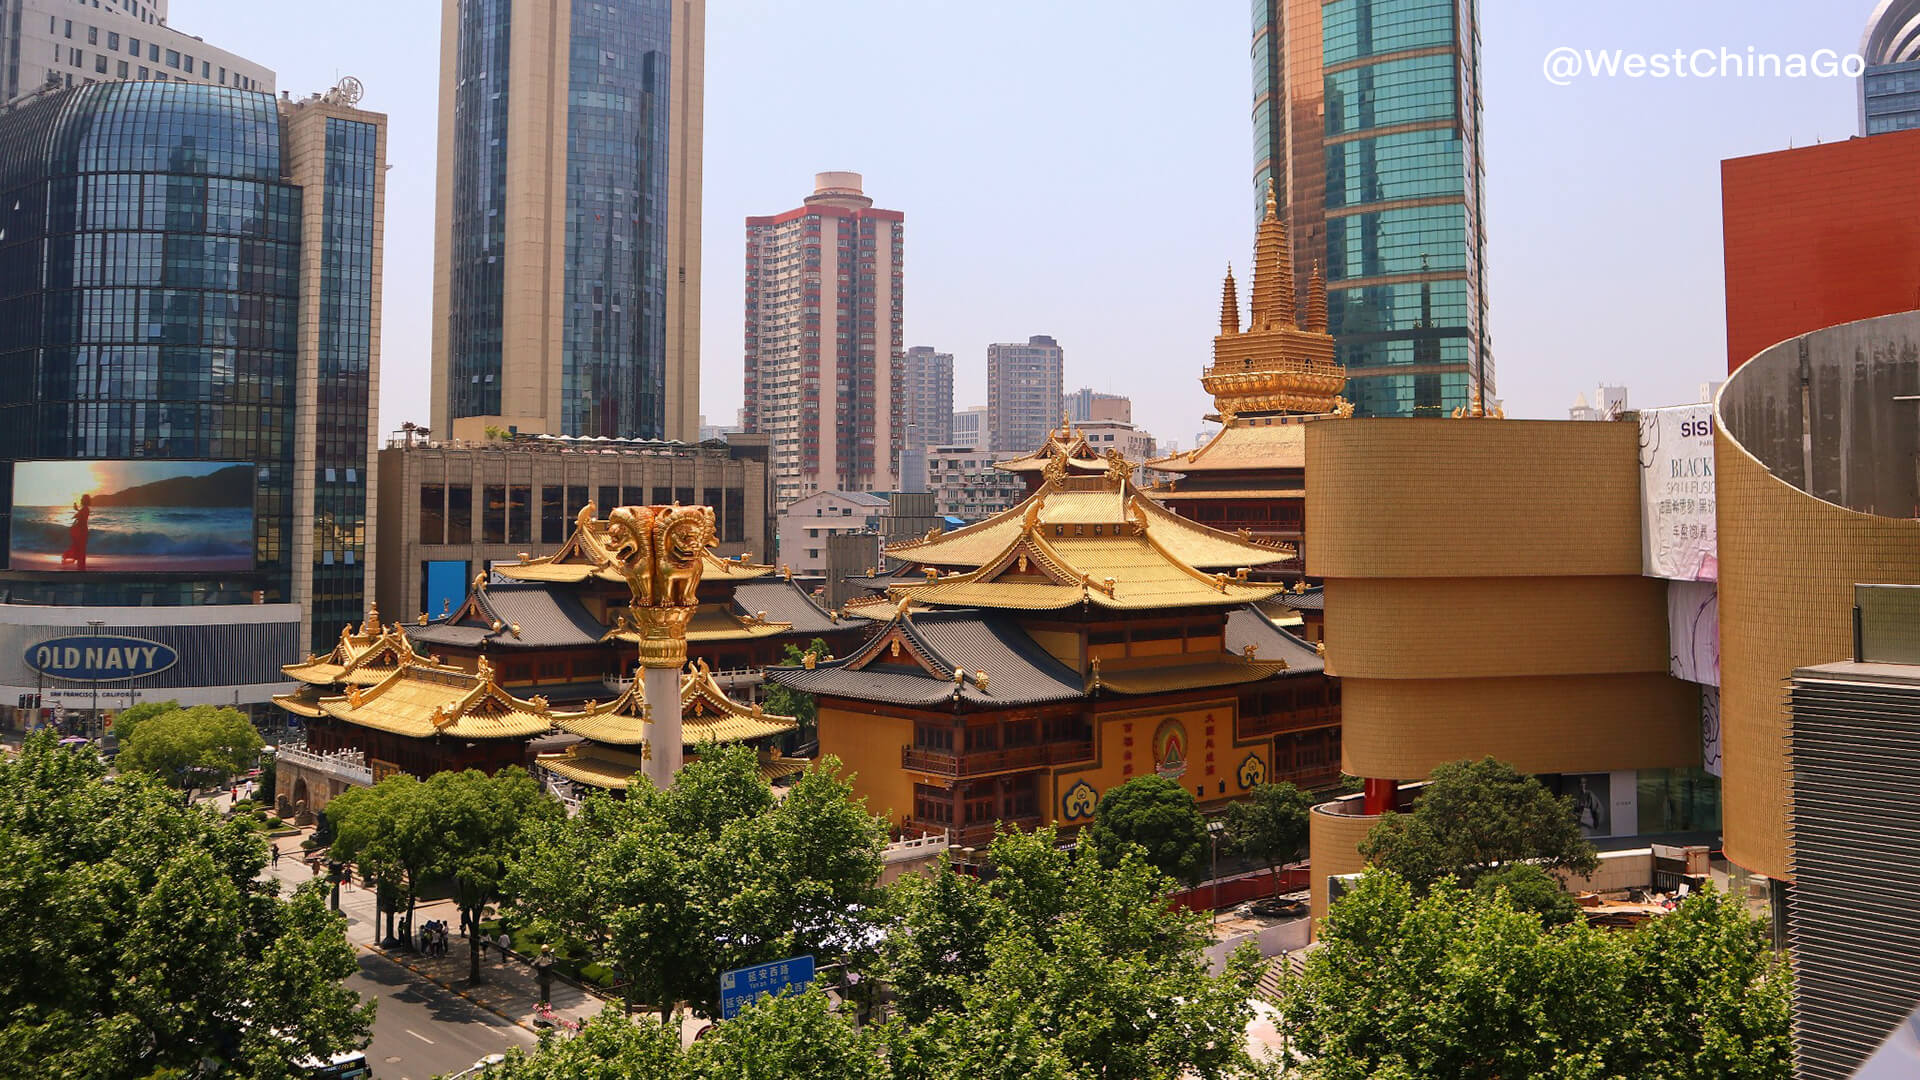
[{"x": 1819, "y": 235}]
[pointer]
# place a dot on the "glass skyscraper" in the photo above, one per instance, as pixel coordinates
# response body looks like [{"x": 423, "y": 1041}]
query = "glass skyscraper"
[
  {"x": 567, "y": 278},
  {"x": 157, "y": 304},
  {"x": 1367, "y": 119},
  {"x": 1890, "y": 85}
]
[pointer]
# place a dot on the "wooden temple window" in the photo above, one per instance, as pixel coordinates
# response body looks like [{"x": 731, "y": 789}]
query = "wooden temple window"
[
  {"x": 983, "y": 738},
  {"x": 1023, "y": 798},
  {"x": 932, "y": 805},
  {"x": 929, "y": 737}
]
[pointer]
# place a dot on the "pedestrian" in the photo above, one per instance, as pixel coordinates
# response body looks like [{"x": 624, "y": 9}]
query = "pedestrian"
[
  {"x": 276, "y": 854},
  {"x": 506, "y": 944}
]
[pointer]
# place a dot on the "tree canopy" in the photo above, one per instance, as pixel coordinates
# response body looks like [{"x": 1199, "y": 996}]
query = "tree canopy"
[
  {"x": 1161, "y": 818},
  {"x": 141, "y": 938},
  {"x": 1472, "y": 816},
  {"x": 194, "y": 748},
  {"x": 1055, "y": 968},
  {"x": 798, "y": 704},
  {"x": 129, "y": 718},
  {"x": 1461, "y": 983},
  {"x": 673, "y": 887},
  {"x": 1270, "y": 824}
]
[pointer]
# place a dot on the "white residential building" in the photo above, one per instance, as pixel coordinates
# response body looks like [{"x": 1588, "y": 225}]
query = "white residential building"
[
  {"x": 806, "y": 524},
  {"x": 965, "y": 484},
  {"x": 72, "y": 42}
]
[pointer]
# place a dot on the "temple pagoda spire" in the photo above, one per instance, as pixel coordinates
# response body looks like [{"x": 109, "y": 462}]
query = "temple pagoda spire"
[
  {"x": 1273, "y": 300},
  {"x": 1316, "y": 301},
  {"x": 1229, "y": 305}
]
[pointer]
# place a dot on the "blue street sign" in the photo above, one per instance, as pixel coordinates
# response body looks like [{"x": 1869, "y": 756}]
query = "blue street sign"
[{"x": 741, "y": 986}]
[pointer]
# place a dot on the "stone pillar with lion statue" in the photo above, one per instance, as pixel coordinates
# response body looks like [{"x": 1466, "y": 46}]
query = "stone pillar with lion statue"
[{"x": 659, "y": 550}]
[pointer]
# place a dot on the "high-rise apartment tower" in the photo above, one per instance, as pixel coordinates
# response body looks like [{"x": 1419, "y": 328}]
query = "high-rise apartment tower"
[
  {"x": 1890, "y": 85},
  {"x": 1023, "y": 393},
  {"x": 1366, "y": 117},
  {"x": 567, "y": 262},
  {"x": 823, "y": 356},
  {"x": 927, "y": 393}
]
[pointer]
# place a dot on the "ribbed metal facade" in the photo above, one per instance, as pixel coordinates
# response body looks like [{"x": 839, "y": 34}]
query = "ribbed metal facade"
[{"x": 1854, "y": 835}]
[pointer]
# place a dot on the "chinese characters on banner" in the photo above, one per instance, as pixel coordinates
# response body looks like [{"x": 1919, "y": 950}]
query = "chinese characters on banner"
[{"x": 1677, "y": 537}]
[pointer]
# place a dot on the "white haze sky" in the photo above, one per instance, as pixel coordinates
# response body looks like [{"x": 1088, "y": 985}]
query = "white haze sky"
[{"x": 1082, "y": 168}]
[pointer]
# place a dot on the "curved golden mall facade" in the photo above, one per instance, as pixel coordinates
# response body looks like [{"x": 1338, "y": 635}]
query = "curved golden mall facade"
[
  {"x": 1484, "y": 597},
  {"x": 1815, "y": 451}
]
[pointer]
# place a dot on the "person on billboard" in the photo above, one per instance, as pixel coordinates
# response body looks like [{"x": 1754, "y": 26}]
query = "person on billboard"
[{"x": 76, "y": 552}]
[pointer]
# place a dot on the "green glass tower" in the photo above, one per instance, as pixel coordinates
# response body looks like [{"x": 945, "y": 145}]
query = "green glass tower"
[{"x": 1366, "y": 117}]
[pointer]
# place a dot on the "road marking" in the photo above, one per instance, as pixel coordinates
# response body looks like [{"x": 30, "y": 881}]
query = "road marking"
[{"x": 419, "y": 1036}]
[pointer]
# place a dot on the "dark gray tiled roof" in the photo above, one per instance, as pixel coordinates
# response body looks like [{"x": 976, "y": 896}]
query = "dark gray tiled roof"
[
  {"x": 1314, "y": 599},
  {"x": 547, "y": 614},
  {"x": 783, "y": 601},
  {"x": 1019, "y": 672},
  {"x": 1246, "y": 626}
]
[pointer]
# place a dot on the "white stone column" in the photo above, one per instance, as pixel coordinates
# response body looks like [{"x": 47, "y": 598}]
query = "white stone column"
[{"x": 664, "y": 741}]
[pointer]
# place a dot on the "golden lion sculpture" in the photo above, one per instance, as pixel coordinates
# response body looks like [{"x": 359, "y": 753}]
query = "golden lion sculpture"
[{"x": 660, "y": 551}]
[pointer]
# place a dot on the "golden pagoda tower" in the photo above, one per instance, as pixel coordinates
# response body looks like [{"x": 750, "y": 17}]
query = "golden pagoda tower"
[{"x": 1275, "y": 365}]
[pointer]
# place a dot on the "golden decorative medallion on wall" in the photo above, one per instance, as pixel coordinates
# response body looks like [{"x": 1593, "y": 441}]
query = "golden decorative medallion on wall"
[
  {"x": 1252, "y": 772},
  {"x": 1079, "y": 802}
]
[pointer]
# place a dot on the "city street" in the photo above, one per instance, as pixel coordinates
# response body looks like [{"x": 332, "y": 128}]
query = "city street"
[{"x": 422, "y": 1030}]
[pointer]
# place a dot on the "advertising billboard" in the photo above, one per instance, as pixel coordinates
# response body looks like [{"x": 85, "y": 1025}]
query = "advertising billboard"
[
  {"x": 147, "y": 517},
  {"x": 1678, "y": 538}
]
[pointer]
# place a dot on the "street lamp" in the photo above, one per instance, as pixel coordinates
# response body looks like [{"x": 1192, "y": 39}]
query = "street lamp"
[
  {"x": 1214, "y": 829},
  {"x": 99, "y": 730}
]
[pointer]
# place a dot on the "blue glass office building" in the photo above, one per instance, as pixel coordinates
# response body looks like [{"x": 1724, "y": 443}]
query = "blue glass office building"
[
  {"x": 159, "y": 304},
  {"x": 1890, "y": 84},
  {"x": 1367, "y": 119},
  {"x": 568, "y": 212}
]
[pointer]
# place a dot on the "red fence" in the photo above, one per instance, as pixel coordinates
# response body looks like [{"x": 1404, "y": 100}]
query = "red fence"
[{"x": 1238, "y": 890}]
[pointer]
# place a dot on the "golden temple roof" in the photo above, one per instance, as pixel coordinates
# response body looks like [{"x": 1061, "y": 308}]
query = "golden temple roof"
[
  {"x": 587, "y": 554},
  {"x": 1082, "y": 507},
  {"x": 1067, "y": 444},
  {"x": 711, "y": 622},
  {"x": 302, "y": 702},
  {"x": 360, "y": 658},
  {"x": 707, "y": 715},
  {"x": 423, "y": 699},
  {"x": 1165, "y": 678},
  {"x": 1122, "y": 566},
  {"x": 1244, "y": 445},
  {"x": 1275, "y": 364}
]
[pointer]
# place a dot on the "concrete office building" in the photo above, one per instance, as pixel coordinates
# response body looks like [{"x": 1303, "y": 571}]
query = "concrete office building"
[
  {"x": 970, "y": 428},
  {"x": 824, "y": 367},
  {"x": 927, "y": 397},
  {"x": 1890, "y": 84},
  {"x": 1023, "y": 393},
  {"x": 1366, "y": 118},
  {"x": 1087, "y": 404},
  {"x": 59, "y": 44},
  {"x": 191, "y": 312},
  {"x": 449, "y": 511},
  {"x": 965, "y": 484},
  {"x": 566, "y": 293}
]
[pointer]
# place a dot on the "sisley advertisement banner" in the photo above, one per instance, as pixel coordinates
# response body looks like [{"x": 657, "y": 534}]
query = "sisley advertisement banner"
[{"x": 1678, "y": 540}]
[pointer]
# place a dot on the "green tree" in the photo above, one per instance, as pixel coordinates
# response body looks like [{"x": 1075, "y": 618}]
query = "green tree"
[
  {"x": 1160, "y": 817},
  {"x": 1049, "y": 968},
  {"x": 129, "y": 718},
  {"x": 1270, "y": 825},
  {"x": 675, "y": 886},
  {"x": 613, "y": 1046},
  {"x": 144, "y": 939},
  {"x": 478, "y": 821},
  {"x": 1462, "y": 983},
  {"x": 1458, "y": 985},
  {"x": 1711, "y": 998},
  {"x": 1472, "y": 816},
  {"x": 192, "y": 748},
  {"x": 781, "y": 701},
  {"x": 388, "y": 832},
  {"x": 1530, "y": 888}
]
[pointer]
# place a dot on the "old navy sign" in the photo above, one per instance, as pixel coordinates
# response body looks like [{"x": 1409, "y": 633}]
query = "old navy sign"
[{"x": 100, "y": 658}]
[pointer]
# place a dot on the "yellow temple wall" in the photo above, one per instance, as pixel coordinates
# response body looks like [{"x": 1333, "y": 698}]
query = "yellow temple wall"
[{"x": 869, "y": 748}]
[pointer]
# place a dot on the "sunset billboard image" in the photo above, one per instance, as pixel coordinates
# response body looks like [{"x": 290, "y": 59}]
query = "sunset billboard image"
[{"x": 133, "y": 516}]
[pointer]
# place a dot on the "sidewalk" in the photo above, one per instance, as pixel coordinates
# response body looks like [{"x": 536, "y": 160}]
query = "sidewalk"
[{"x": 509, "y": 988}]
